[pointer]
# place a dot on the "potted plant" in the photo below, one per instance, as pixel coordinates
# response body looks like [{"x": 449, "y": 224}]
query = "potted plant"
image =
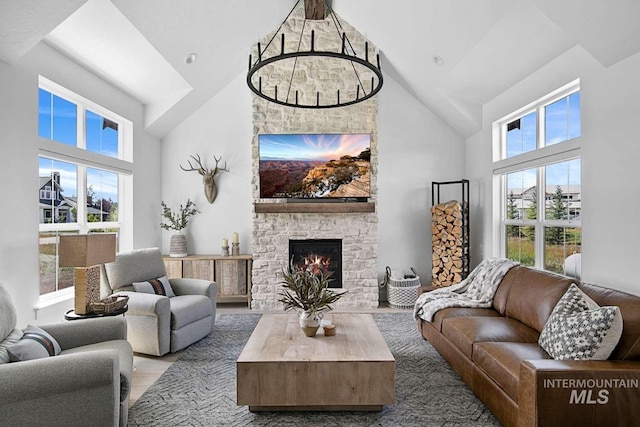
[
  {"x": 308, "y": 293},
  {"x": 178, "y": 221}
]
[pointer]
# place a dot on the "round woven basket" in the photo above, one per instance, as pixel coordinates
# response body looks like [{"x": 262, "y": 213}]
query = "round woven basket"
[{"x": 402, "y": 293}]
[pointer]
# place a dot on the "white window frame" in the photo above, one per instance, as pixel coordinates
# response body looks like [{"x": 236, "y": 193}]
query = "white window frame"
[
  {"x": 536, "y": 159},
  {"x": 84, "y": 159}
]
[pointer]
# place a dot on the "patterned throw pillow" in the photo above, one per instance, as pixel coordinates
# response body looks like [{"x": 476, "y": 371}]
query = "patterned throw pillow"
[
  {"x": 159, "y": 286},
  {"x": 34, "y": 344},
  {"x": 579, "y": 329}
]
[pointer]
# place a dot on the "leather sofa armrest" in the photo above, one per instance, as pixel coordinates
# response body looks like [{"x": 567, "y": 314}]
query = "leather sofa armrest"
[
  {"x": 65, "y": 388},
  {"x": 578, "y": 392},
  {"x": 88, "y": 331}
]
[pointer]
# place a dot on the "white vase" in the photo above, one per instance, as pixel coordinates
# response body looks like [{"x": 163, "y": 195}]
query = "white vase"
[
  {"x": 310, "y": 322},
  {"x": 178, "y": 245}
]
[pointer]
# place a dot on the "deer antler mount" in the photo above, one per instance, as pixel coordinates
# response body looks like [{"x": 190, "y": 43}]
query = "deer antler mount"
[{"x": 208, "y": 175}]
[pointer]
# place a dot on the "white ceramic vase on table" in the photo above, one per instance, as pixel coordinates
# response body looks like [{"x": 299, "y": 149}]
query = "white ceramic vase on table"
[{"x": 310, "y": 322}]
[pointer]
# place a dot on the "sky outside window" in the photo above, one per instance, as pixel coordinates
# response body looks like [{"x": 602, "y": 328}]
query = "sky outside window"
[
  {"x": 57, "y": 118},
  {"x": 102, "y": 135},
  {"x": 522, "y": 135},
  {"x": 562, "y": 119}
]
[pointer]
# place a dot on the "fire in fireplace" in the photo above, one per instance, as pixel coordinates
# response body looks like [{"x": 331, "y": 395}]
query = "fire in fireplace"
[{"x": 319, "y": 256}]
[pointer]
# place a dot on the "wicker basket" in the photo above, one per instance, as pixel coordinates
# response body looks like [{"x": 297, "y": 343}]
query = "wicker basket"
[
  {"x": 402, "y": 293},
  {"x": 110, "y": 304}
]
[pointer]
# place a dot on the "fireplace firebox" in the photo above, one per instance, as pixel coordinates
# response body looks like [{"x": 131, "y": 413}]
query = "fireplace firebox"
[{"x": 319, "y": 255}]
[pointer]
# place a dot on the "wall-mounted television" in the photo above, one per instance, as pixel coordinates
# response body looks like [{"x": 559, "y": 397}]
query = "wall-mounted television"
[{"x": 315, "y": 166}]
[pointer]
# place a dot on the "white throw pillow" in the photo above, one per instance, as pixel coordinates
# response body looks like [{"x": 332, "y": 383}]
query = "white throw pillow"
[
  {"x": 13, "y": 338},
  {"x": 159, "y": 286},
  {"x": 34, "y": 344},
  {"x": 579, "y": 329}
]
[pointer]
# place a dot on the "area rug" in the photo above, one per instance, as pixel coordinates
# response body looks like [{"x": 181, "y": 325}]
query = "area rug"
[{"x": 199, "y": 389}]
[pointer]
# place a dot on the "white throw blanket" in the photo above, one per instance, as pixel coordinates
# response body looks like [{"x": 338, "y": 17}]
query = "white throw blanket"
[{"x": 477, "y": 290}]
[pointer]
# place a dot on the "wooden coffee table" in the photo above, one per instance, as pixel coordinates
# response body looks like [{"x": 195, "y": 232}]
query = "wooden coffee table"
[{"x": 281, "y": 369}]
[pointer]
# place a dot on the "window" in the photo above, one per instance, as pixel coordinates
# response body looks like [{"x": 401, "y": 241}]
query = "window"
[
  {"x": 538, "y": 181},
  {"x": 45, "y": 193},
  {"x": 84, "y": 172}
]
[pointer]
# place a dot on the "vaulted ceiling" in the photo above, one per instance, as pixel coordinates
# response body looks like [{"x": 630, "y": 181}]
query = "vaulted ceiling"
[{"x": 486, "y": 46}]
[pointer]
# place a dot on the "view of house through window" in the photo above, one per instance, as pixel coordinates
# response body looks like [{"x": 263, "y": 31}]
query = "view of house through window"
[
  {"x": 75, "y": 196},
  {"x": 541, "y": 196}
]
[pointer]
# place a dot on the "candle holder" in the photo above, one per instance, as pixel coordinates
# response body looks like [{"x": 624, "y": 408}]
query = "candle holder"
[
  {"x": 225, "y": 250},
  {"x": 235, "y": 249}
]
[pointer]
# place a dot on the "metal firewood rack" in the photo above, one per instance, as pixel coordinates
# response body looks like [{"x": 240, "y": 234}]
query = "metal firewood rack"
[{"x": 435, "y": 200}]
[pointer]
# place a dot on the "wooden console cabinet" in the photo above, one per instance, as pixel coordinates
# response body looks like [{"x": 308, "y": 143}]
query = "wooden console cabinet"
[{"x": 231, "y": 273}]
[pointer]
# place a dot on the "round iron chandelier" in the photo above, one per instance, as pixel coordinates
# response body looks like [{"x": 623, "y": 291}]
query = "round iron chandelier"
[{"x": 282, "y": 76}]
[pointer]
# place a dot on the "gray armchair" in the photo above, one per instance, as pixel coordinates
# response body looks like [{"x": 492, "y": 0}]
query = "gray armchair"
[
  {"x": 87, "y": 383},
  {"x": 159, "y": 324}
]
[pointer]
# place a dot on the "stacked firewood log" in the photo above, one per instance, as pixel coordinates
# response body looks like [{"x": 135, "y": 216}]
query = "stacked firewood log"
[{"x": 450, "y": 243}]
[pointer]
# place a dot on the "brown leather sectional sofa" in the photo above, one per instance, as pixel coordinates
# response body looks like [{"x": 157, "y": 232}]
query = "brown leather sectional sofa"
[{"x": 495, "y": 351}]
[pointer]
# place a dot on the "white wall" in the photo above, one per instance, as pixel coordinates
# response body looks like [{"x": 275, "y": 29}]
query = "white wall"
[
  {"x": 610, "y": 153},
  {"x": 415, "y": 148},
  {"x": 19, "y": 171},
  {"x": 221, "y": 128}
]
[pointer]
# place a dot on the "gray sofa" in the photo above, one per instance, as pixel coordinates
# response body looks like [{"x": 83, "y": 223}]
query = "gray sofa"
[
  {"x": 159, "y": 324},
  {"x": 88, "y": 383}
]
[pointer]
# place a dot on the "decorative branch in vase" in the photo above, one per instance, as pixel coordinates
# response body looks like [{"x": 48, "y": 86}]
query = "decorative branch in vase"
[
  {"x": 178, "y": 222},
  {"x": 309, "y": 294}
]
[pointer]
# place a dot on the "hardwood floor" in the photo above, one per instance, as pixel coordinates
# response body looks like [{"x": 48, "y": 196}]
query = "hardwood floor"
[{"x": 147, "y": 369}]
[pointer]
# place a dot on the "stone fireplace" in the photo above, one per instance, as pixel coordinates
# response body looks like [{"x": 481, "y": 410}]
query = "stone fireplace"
[
  {"x": 354, "y": 224},
  {"x": 359, "y": 235}
]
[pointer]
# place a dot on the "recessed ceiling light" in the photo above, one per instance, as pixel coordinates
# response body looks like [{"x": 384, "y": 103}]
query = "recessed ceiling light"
[
  {"x": 191, "y": 58},
  {"x": 437, "y": 59}
]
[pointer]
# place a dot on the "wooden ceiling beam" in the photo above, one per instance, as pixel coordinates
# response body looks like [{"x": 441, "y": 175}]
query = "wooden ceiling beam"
[{"x": 314, "y": 10}]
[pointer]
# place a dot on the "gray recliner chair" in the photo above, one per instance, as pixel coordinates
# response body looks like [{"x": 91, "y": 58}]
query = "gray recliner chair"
[
  {"x": 159, "y": 324},
  {"x": 88, "y": 382}
]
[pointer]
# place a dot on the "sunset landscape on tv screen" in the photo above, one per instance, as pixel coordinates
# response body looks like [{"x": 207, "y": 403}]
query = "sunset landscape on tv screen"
[{"x": 315, "y": 166}]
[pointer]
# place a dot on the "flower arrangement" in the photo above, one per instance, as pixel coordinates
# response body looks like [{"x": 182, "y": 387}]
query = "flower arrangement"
[
  {"x": 307, "y": 291},
  {"x": 180, "y": 220}
]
